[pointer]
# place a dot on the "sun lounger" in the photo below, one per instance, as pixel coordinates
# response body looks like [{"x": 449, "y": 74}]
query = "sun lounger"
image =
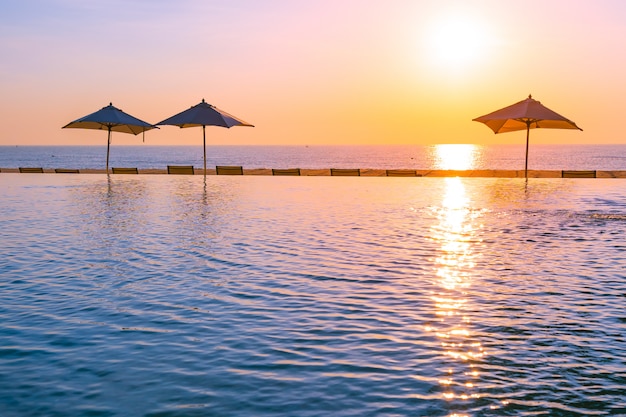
[
  {"x": 402, "y": 173},
  {"x": 29, "y": 170},
  {"x": 340, "y": 172},
  {"x": 290, "y": 171},
  {"x": 578, "y": 174},
  {"x": 180, "y": 169},
  {"x": 125, "y": 171},
  {"x": 66, "y": 171},
  {"x": 228, "y": 170}
]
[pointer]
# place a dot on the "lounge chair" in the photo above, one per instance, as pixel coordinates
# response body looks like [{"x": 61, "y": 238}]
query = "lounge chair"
[
  {"x": 31, "y": 170},
  {"x": 125, "y": 171},
  {"x": 578, "y": 174},
  {"x": 290, "y": 171},
  {"x": 339, "y": 172},
  {"x": 228, "y": 170},
  {"x": 180, "y": 169},
  {"x": 66, "y": 171},
  {"x": 402, "y": 173}
]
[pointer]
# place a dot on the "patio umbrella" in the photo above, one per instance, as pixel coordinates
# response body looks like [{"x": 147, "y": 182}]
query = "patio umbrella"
[
  {"x": 112, "y": 119},
  {"x": 204, "y": 114},
  {"x": 525, "y": 115}
]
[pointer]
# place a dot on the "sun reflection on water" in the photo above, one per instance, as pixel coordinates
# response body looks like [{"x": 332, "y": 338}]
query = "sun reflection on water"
[
  {"x": 456, "y": 156},
  {"x": 456, "y": 236}
]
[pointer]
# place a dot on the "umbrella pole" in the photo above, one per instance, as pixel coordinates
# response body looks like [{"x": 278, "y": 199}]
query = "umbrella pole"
[
  {"x": 204, "y": 145},
  {"x": 108, "y": 146},
  {"x": 527, "y": 139}
]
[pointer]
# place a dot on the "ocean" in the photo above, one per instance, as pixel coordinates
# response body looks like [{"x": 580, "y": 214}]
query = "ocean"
[
  {"x": 160, "y": 295},
  {"x": 463, "y": 157}
]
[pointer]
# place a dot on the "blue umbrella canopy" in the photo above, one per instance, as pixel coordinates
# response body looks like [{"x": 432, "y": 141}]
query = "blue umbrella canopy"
[
  {"x": 204, "y": 114},
  {"x": 112, "y": 119}
]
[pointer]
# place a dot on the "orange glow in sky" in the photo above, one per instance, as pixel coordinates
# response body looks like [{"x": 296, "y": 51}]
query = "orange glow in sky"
[{"x": 306, "y": 73}]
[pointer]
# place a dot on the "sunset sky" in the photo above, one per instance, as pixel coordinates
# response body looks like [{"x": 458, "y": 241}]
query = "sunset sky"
[{"x": 312, "y": 72}]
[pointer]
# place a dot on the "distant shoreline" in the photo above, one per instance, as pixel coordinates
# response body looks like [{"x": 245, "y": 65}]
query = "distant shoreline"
[{"x": 366, "y": 172}]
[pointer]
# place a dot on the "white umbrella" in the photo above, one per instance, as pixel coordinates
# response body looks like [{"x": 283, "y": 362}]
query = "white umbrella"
[
  {"x": 204, "y": 114},
  {"x": 112, "y": 119}
]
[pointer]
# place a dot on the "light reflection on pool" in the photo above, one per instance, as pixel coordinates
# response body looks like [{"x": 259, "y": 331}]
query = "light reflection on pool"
[{"x": 457, "y": 233}]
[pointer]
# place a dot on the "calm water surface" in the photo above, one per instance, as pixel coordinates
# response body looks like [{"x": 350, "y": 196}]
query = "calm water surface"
[{"x": 311, "y": 296}]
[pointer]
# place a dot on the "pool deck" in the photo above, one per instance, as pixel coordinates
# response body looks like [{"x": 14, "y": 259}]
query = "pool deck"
[{"x": 366, "y": 172}]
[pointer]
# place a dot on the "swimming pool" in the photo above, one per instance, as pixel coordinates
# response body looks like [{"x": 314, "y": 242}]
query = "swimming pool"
[{"x": 171, "y": 296}]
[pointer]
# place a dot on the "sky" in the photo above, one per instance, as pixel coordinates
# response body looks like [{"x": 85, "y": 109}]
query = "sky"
[{"x": 324, "y": 72}]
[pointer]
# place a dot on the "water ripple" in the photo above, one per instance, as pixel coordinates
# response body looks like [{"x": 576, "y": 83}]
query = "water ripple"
[{"x": 162, "y": 296}]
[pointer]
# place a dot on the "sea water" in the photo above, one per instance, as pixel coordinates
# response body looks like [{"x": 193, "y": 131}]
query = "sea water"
[
  {"x": 311, "y": 296},
  {"x": 445, "y": 156}
]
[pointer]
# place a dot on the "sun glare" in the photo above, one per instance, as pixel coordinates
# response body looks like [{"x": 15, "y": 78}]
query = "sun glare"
[{"x": 456, "y": 42}]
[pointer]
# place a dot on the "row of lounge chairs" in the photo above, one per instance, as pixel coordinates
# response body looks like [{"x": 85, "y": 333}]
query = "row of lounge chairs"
[
  {"x": 238, "y": 170},
  {"x": 232, "y": 170},
  {"x": 171, "y": 169}
]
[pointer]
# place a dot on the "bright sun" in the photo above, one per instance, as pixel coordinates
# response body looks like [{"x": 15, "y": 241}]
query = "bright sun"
[{"x": 457, "y": 41}]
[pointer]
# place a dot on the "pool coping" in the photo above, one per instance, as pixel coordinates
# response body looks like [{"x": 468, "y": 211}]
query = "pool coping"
[{"x": 365, "y": 172}]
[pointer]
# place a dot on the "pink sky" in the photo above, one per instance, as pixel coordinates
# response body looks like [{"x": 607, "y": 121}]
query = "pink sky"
[{"x": 306, "y": 73}]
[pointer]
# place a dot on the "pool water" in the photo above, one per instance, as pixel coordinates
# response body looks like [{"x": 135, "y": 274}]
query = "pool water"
[{"x": 166, "y": 295}]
